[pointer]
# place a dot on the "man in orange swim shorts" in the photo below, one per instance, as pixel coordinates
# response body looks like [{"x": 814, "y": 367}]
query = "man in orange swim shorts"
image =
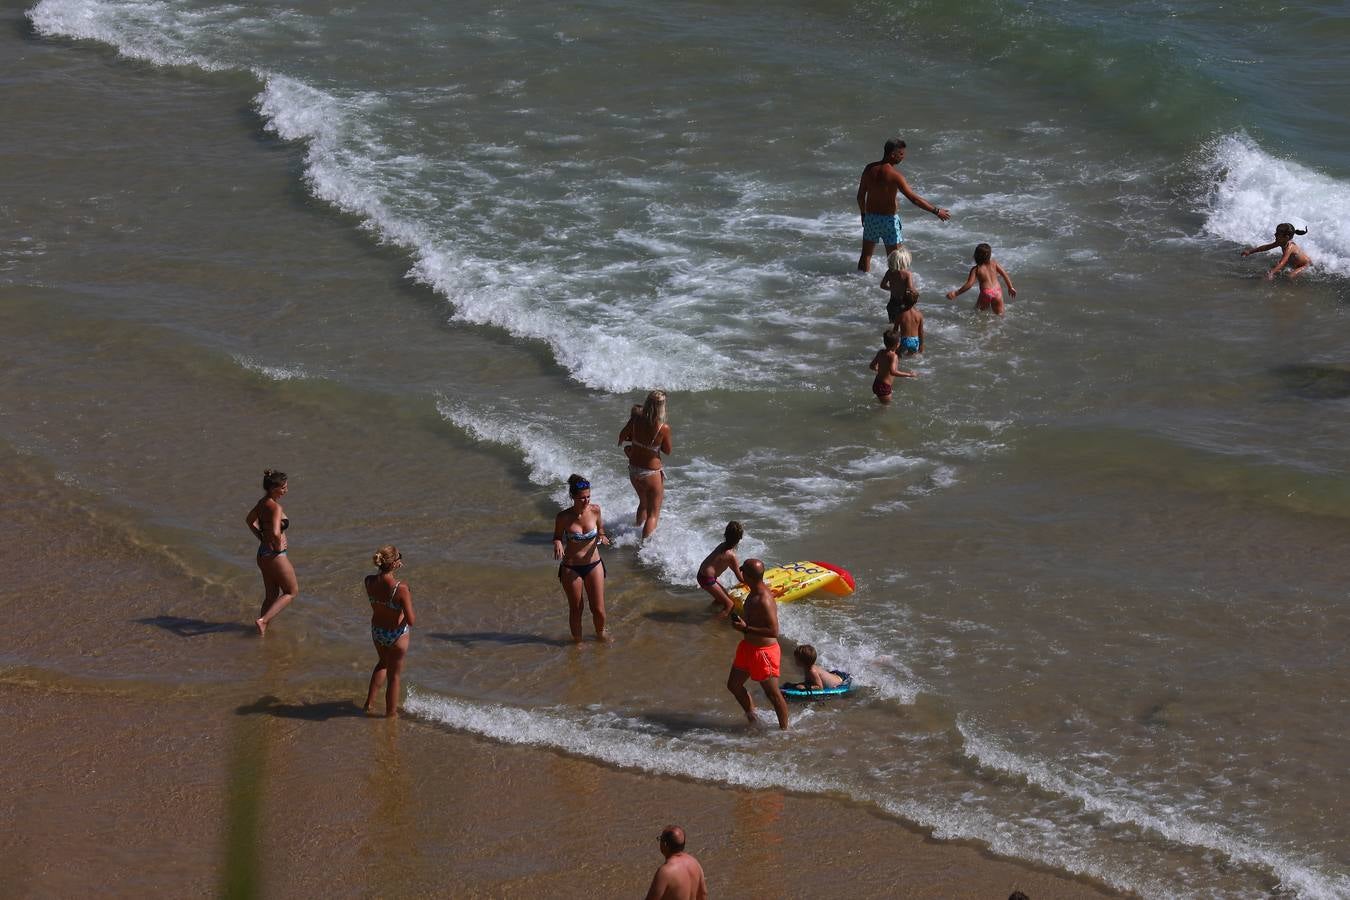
[{"x": 758, "y": 654}]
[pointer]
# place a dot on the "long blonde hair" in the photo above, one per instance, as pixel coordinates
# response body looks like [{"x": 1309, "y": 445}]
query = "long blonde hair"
[{"x": 654, "y": 411}]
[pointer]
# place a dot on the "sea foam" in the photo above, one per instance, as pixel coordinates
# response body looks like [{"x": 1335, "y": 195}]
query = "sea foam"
[
  {"x": 691, "y": 524},
  {"x": 1118, "y": 806},
  {"x": 149, "y": 31},
  {"x": 1251, "y": 191},
  {"x": 272, "y": 373}
]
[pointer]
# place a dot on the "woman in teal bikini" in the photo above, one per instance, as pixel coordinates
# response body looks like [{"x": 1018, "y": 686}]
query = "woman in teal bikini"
[
  {"x": 268, "y": 523},
  {"x": 578, "y": 532},
  {"x": 391, "y": 619}
]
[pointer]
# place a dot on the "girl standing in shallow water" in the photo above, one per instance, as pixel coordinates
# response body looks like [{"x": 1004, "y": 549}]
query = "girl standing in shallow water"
[
  {"x": 578, "y": 532},
  {"x": 986, "y": 272},
  {"x": 1293, "y": 253},
  {"x": 391, "y": 618},
  {"x": 268, "y": 523}
]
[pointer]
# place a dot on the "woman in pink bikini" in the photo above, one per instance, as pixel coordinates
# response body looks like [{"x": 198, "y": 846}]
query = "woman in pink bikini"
[
  {"x": 647, "y": 436},
  {"x": 987, "y": 271}
]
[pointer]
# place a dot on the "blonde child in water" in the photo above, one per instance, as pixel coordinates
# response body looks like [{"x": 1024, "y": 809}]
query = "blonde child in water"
[
  {"x": 1293, "y": 254},
  {"x": 814, "y": 677},
  {"x": 722, "y": 558},
  {"x": 987, "y": 272},
  {"x": 901, "y": 282}
]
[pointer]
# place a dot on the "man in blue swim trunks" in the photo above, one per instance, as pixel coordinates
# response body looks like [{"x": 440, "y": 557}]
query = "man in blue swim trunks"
[{"x": 877, "y": 201}]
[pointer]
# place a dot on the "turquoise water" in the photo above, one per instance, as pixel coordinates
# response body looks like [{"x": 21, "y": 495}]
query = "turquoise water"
[{"x": 1101, "y": 599}]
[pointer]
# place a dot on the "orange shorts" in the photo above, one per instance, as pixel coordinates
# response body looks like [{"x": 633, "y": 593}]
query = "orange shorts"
[{"x": 760, "y": 662}]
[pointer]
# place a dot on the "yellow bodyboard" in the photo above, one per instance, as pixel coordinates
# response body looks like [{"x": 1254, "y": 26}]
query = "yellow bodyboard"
[{"x": 795, "y": 580}]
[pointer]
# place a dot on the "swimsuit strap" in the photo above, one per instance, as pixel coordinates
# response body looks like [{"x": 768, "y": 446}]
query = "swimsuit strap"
[
  {"x": 391, "y": 603},
  {"x": 656, "y": 437}
]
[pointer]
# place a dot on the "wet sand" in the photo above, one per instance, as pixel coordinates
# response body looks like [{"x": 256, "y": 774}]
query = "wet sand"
[
  {"x": 234, "y": 769},
  {"x": 124, "y": 793}
]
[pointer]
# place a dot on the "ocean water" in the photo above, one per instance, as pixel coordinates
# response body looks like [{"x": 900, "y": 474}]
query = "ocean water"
[{"x": 425, "y": 257}]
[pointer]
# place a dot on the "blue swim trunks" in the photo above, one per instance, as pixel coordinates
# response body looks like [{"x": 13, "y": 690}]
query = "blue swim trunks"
[
  {"x": 883, "y": 228},
  {"x": 910, "y": 344}
]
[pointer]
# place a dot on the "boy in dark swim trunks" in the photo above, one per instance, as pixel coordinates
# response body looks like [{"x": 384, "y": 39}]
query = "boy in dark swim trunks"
[
  {"x": 987, "y": 271},
  {"x": 884, "y": 364},
  {"x": 722, "y": 558}
]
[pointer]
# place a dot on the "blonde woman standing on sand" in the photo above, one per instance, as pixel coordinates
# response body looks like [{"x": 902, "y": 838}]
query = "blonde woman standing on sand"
[
  {"x": 268, "y": 522},
  {"x": 391, "y": 619},
  {"x": 648, "y": 436}
]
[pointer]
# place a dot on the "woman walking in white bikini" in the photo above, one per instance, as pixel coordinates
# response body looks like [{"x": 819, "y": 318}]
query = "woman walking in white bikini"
[{"x": 647, "y": 437}]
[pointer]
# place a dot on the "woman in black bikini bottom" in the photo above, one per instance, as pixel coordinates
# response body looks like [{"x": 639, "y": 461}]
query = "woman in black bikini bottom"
[
  {"x": 578, "y": 532},
  {"x": 267, "y": 521}
]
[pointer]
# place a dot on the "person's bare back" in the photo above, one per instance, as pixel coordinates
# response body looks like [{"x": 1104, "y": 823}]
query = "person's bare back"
[
  {"x": 680, "y": 877},
  {"x": 879, "y": 203},
  {"x": 884, "y": 364},
  {"x": 715, "y": 563},
  {"x": 819, "y": 677},
  {"x": 880, "y": 188},
  {"x": 986, "y": 272},
  {"x": 911, "y": 331}
]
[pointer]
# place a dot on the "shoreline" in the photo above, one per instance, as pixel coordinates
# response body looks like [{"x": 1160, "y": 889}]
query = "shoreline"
[
  {"x": 190, "y": 757},
  {"x": 309, "y": 798}
]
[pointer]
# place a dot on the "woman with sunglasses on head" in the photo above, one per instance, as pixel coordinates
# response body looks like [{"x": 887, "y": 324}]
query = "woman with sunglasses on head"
[
  {"x": 578, "y": 533},
  {"x": 644, "y": 439},
  {"x": 391, "y": 618},
  {"x": 267, "y": 520}
]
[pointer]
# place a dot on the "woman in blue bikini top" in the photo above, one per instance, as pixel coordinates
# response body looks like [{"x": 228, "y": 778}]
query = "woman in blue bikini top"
[
  {"x": 391, "y": 619},
  {"x": 578, "y": 532}
]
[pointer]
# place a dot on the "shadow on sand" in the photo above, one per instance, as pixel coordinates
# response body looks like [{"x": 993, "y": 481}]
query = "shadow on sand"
[
  {"x": 311, "y": 712},
  {"x": 469, "y": 638},
  {"x": 184, "y": 627}
]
